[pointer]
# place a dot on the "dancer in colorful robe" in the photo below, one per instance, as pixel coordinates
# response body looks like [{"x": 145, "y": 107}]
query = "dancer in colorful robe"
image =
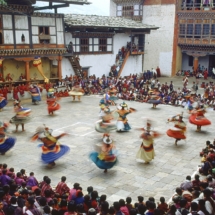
[
  {"x": 197, "y": 118},
  {"x": 104, "y": 125},
  {"x": 22, "y": 115},
  {"x": 6, "y": 143},
  {"x": 146, "y": 152},
  {"x": 107, "y": 157},
  {"x": 3, "y": 102},
  {"x": 52, "y": 101},
  {"x": 154, "y": 97},
  {"x": 179, "y": 130},
  {"x": 76, "y": 91},
  {"x": 122, "y": 122},
  {"x": 35, "y": 94},
  {"x": 51, "y": 148}
]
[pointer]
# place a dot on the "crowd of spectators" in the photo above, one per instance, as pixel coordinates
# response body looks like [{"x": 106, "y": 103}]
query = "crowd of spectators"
[
  {"x": 24, "y": 195},
  {"x": 137, "y": 87}
]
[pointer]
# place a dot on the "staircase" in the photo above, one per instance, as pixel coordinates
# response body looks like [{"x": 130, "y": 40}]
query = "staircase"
[
  {"x": 75, "y": 62},
  {"x": 123, "y": 63}
]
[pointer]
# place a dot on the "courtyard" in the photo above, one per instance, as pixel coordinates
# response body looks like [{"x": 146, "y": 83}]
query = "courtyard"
[{"x": 128, "y": 178}]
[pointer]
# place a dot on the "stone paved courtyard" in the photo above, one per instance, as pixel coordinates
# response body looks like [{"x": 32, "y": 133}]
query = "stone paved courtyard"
[{"x": 129, "y": 178}]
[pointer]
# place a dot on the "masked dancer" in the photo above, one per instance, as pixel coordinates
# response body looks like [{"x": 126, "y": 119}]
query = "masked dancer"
[
  {"x": 179, "y": 130},
  {"x": 51, "y": 148},
  {"x": 6, "y": 143},
  {"x": 146, "y": 152},
  {"x": 107, "y": 157}
]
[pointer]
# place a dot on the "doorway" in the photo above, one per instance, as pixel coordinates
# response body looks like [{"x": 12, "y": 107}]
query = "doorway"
[{"x": 211, "y": 64}]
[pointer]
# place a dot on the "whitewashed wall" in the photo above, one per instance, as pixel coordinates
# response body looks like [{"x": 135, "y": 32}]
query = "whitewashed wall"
[
  {"x": 112, "y": 8},
  {"x": 159, "y": 43},
  {"x": 203, "y": 61},
  {"x": 67, "y": 68},
  {"x": 101, "y": 64}
]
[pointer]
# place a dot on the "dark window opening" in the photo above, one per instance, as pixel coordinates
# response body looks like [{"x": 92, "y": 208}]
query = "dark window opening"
[
  {"x": 190, "y": 62},
  {"x": 44, "y": 34},
  {"x": 189, "y": 30},
  {"x": 103, "y": 45},
  {"x": 198, "y": 31},
  {"x": 84, "y": 45}
]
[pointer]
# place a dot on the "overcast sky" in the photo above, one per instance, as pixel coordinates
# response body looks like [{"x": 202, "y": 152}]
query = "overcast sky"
[{"x": 98, "y": 7}]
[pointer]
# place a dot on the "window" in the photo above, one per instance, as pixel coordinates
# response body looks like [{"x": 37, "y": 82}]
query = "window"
[
  {"x": 213, "y": 30},
  {"x": 119, "y": 10},
  {"x": 189, "y": 30},
  {"x": 1, "y": 38},
  {"x": 138, "y": 10},
  {"x": 182, "y": 30},
  {"x": 206, "y": 29},
  {"x": 44, "y": 30},
  {"x": 198, "y": 30},
  {"x": 44, "y": 34},
  {"x": 129, "y": 10},
  {"x": 103, "y": 45},
  {"x": 84, "y": 45}
]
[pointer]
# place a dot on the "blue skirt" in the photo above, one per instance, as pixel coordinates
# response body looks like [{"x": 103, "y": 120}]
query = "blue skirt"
[
  {"x": 3, "y": 103},
  {"x": 154, "y": 101},
  {"x": 100, "y": 163},
  {"x": 36, "y": 98},
  {"x": 52, "y": 156},
  {"x": 7, "y": 145}
]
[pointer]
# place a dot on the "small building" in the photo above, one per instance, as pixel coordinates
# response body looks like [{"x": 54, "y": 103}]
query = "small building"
[
  {"x": 96, "y": 40},
  {"x": 26, "y": 34}
]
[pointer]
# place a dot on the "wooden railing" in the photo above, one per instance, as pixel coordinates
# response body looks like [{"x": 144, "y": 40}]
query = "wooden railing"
[{"x": 196, "y": 41}]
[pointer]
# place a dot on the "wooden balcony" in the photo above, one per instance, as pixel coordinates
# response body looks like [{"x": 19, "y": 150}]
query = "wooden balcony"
[
  {"x": 196, "y": 41},
  {"x": 137, "y": 53}
]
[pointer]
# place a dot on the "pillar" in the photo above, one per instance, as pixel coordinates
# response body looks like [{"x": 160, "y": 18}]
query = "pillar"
[
  {"x": 27, "y": 71},
  {"x": 60, "y": 67},
  {"x": 195, "y": 63}
]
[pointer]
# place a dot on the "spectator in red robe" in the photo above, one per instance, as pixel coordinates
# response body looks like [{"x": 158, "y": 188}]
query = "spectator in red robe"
[{"x": 15, "y": 93}]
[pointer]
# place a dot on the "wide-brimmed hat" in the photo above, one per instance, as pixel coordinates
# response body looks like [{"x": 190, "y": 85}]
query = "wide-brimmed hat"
[
  {"x": 123, "y": 104},
  {"x": 107, "y": 140}
]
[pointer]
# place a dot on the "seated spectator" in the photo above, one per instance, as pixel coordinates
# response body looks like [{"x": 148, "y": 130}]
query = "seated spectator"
[
  {"x": 187, "y": 184},
  {"x": 31, "y": 180},
  {"x": 123, "y": 207},
  {"x": 162, "y": 205},
  {"x": 62, "y": 187}
]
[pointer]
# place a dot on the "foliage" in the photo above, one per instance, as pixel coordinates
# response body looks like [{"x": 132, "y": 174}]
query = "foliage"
[{"x": 3, "y": 2}]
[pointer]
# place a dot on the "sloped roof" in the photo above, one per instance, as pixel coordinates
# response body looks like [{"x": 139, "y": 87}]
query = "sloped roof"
[
  {"x": 78, "y": 20},
  {"x": 68, "y": 1}
]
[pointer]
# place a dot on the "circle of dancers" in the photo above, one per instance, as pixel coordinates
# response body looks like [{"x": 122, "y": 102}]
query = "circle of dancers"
[{"x": 105, "y": 155}]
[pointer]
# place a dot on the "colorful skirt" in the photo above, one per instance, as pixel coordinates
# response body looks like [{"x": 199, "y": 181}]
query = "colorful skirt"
[
  {"x": 3, "y": 103},
  {"x": 121, "y": 126},
  {"x": 7, "y": 144},
  {"x": 199, "y": 120},
  {"x": 50, "y": 157},
  {"x": 19, "y": 120},
  {"x": 52, "y": 108},
  {"x": 36, "y": 98},
  {"x": 154, "y": 101},
  {"x": 146, "y": 152},
  {"x": 177, "y": 134},
  {"x": 101, "y": 163},
  {"x": 104, "y": 127}
]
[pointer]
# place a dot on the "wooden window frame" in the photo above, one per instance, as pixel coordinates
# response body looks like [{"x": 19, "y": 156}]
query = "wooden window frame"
[
  {"x": 84, "y": 45},
  {"x": 44, "y": 36},
  {"x": 103, "y": 44},
  {"x": 100, "y": 47}
]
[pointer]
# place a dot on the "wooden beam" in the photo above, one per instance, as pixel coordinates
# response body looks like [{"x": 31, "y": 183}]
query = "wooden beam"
[
  {"x": 67, "y": 1},
  {"x": 123, "y": 63},
  {"x": 51, "y": 7}
]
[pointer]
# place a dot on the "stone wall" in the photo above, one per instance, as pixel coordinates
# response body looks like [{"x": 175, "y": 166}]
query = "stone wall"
[{"x": 159, "y": 43}]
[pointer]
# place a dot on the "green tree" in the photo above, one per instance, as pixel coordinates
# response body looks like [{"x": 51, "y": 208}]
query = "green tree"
[{"x": 2, "y": 1}]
